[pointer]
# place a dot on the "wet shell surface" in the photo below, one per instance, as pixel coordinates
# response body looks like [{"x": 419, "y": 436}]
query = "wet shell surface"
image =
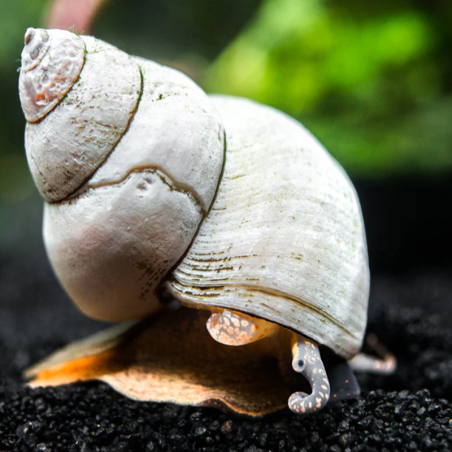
[
  {"x": 285, "y": 238},
  {"x": 128, "y": 162}
]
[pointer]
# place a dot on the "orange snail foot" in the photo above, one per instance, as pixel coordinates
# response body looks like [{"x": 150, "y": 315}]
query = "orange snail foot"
[{"x": 170, "y": 357}]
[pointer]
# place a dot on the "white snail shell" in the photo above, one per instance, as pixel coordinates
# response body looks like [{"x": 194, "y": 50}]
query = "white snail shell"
[
  {"x": 129, "y": 160},
  {"x": 284, "y": 239}
]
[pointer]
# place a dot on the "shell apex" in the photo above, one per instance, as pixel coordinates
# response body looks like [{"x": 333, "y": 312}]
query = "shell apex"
[{"x": 51, "y": 62}]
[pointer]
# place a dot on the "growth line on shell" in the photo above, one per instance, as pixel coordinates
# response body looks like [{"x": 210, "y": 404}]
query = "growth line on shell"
[
  {"x": 163, "y": 175},
  {"x": 205, "y": 211},
  {"x": 83, "y": 186}
]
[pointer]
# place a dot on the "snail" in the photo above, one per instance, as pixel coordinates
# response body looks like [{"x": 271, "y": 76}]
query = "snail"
[{"x": 219, "y": 231}]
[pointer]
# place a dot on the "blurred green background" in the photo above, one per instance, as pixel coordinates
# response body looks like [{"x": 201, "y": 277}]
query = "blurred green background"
[{"x": 372, "y": 80}]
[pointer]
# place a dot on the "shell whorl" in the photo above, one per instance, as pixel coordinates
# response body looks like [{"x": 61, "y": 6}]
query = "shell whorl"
[
  {"x": 128, "y": 162},
  {"x": 51, "y": 63},
  {"x": 284, "y": 239},
  {"x": 67, "y": 145}
]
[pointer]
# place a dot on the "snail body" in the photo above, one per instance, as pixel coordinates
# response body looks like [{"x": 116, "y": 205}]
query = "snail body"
[{"x": 153, "y": 187}]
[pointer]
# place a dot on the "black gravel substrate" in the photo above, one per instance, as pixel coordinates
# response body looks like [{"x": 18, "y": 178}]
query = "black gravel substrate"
[{"x": 409, "y": 411}]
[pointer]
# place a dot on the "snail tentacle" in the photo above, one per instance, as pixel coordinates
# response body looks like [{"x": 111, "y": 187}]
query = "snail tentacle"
[
  {"x": 307, "y": 361},
  {"x": 385, "y": 365}
]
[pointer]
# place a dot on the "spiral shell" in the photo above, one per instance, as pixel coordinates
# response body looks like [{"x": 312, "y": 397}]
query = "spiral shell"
[
  {"x": 128, "y": 162},
  {"x": 129, "y": 156}
]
